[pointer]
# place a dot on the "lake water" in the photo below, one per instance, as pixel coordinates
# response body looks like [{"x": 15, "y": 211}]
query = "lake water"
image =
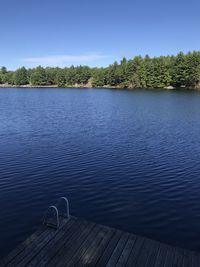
[{"x": 127, "y": 159}]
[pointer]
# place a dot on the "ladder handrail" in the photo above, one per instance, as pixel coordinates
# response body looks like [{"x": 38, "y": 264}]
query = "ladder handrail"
[
  {"x": 56, "y": 212},
  {"x": 66, "y": 213},
  {"x": 50, "y": 224}
]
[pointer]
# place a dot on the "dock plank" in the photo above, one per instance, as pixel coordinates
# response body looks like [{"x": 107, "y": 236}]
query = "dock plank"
[
  {"x": 80, "y": 243},
  {"x": 118, "y": 250},
  {"x": 31, "y": 251},
  {"x": 152, "y": 257},
  {"x": 195, "y": 259},
  {"x": 48, "y": 251},
  {"x": 66, "y": 251},
  {"x": 89, "y": 248},
  {"x": 141, "y": 253},
  {"x": 94, "y": 255},
  {"x": 170, "y": 259},
  {"x": 126, "y": 251},
  {"x": 109, "y": 249},
  {"x": 161, "y": 257},
  {"x": 22, "y": 246},
  {"x": 135, "y": 252},
  {"x": 178, "y": 260},
  {"x": 82, "y": 249}
]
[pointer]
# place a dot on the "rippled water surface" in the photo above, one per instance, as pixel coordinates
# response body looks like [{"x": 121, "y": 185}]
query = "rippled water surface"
[{"x": 128, "y": 159}]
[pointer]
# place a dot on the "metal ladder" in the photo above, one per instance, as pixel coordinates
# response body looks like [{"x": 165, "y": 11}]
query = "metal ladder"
[{"x": 52, "y": 216}]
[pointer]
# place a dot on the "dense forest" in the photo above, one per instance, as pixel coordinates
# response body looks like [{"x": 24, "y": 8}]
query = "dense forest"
[{"x": 182, "y": 70}]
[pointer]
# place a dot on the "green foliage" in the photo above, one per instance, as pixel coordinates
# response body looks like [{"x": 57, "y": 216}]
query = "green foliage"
[
  {"x": 60, "y": 78},
  {"x": 21, "y": 76},
  {"x": 182, "y": 70},
  {"x": 82, "y": 74},
  {"x": 10, "y": 77},
  {"x": 39, "y": 76},
  {"x": 3, "y": 70},
  {"x": 99, "y": 77},
  {"x": 193, "y": 63},
  {"x": 113, "y": 78},
  {"x": 6, "y": 77}
]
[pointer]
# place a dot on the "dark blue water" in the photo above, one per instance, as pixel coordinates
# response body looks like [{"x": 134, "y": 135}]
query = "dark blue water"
[{"x": 125, "y": 159}]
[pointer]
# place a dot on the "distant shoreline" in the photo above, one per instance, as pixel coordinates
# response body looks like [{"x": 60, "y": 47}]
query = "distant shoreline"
[
  {"x": 164, "y": 72},
  {"x": 27, "y": 86},
  {"x": 94, "y": 87}
]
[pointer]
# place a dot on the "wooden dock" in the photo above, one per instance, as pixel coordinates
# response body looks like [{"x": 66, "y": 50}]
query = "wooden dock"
[{"x": 78, "y": 242}]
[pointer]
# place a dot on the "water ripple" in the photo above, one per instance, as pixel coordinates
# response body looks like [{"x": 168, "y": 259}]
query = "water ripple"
[{"x": 125, "y": 159}]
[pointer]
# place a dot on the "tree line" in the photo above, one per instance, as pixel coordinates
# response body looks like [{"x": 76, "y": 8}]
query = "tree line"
[{"x": 182, "y": 70}]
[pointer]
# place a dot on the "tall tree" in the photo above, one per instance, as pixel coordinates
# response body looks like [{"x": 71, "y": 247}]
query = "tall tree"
[
  {"x": 21, "y": 76},
  {"x": 38, "y": 76}
]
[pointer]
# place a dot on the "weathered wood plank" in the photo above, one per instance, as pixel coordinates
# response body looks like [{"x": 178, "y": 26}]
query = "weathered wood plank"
[
  {"x": 89, "y": 248},
  {"x": 118, "y": 250},
  {"x": 161, "y": 257},
  {"x": 55, "y": 245},
  {"x": 151, "y": 260},
  {"x": 83, "y": 247},
  {"x": 109, "y": 249},
  {"x": 22, "y": 246},
  {"x": 126, "y": 251},
  {"x": 178, "y": 259},
  {"x": 170, "y": 258},
  {"x": 66, "y": 250},
  {"x": 195, "y": 259},
  {"x": 32, "y": 250},
  {"x": 93, "y": 252},
  {"x": 186, "y": 261},
  {"x": 135, "y": 252},
  {"x": 141, "y": 252},
  {"x": 28, "y": 248}
]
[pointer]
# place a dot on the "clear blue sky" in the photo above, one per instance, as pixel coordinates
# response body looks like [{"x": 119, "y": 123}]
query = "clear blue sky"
[{"x": 94, "y": 32}]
